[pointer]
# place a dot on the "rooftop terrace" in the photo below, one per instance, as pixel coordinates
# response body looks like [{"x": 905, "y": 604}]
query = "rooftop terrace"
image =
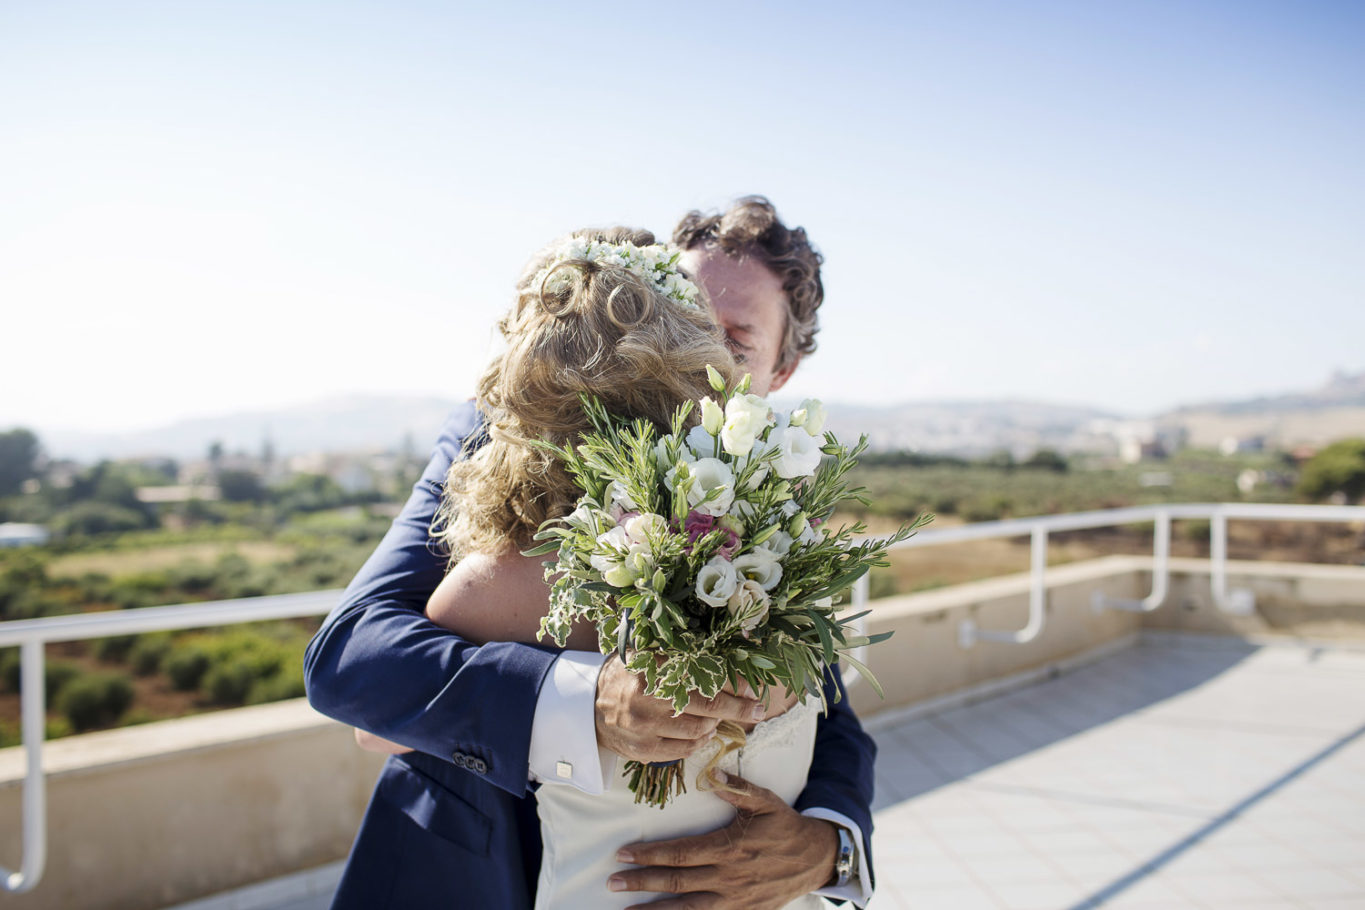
[
  {"x": 1201, "y": 748},
  {"x": 1182, "y": 772}
]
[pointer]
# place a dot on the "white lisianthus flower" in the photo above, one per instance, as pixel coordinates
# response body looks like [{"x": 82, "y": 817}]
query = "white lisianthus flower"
[
  {"x": 790, "y": 508},
  {"x": 712, "y": 417},
  {"x": 749, "y": 605},
  {"x": 824, "y": 603},
  {"x": 746, "y": 417},
  {"x": 608, "y": 543},
  {"x": 701, "y": 443},
  {"x": 711, "y": 475},
  {"x": 815, "y": 416},
  {"x": 809, "y": 536},
  {"x": 661, "y": 457},
  {"x": 761, "y": 566},
  {"x": 780, "y": 543},
  {"x": 642, "y": 527},
  {"x": 620, "y": 497},
  {"x": 744, "y": 510},
  {"x": 586, "y": 517},
  {"x": 716, "y": 582},
  {"x": 799, "y": 453}
]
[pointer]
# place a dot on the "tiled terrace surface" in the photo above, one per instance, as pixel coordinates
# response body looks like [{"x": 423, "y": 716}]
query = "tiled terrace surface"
[
  {"x": 1175, "y": 774},
  {"x": 1180, "y": 773}
]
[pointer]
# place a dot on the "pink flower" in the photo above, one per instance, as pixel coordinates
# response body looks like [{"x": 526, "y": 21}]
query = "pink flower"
[
  {"x": 698, "y": 525},
  {"x": 731, "y": 546}
]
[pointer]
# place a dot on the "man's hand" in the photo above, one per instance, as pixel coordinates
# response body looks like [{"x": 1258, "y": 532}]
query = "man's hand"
[
  {"x": 641, "y": 727},
  {"x": 766, "y": 858}
]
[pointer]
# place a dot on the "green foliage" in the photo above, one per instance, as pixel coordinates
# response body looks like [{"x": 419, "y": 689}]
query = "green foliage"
[
  {"x": 148, "y": 652},
  {"x": 240, "y": 486},
  {"x": 1047, "y": 460},
  {"x": 1338, "y": 468},
  {"x": 18, "y": 459},
  {"x": 114, "y": 650},
  {"x": 95, "y": 700},
  {"x": 91, "y": 518},
  {"x": 24, "y": 588},
  {"x": 185, "y": 665}
]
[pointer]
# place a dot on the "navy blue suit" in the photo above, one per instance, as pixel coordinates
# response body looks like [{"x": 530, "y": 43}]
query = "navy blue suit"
[{"x": 454, "y": 823}]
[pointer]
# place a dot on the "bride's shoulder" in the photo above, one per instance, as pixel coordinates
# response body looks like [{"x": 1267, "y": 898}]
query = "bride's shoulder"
[{"x": 492, "y": 597}]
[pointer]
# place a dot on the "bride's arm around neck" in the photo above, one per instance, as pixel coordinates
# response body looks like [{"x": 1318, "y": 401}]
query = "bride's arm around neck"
[{"x": 498, "y": 598}]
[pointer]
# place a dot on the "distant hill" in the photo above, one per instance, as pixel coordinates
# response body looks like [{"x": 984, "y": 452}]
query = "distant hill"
[
  {"x": 1341, "y": 390},
  {"x": 1331, "y": 411},
  {"x": 968, "y": 428},
  {"x": 338, "y": 424}
]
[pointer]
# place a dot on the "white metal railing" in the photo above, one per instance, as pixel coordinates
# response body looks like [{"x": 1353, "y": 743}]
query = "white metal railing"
[
  {"x": 1240, "y": 602},
  {"x": 31, "y": 635}
]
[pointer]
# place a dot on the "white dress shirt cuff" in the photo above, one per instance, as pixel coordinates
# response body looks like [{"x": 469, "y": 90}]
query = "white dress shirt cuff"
[
  {"x": 859, "y": 888},
  {"x": 564, "y": 746}
]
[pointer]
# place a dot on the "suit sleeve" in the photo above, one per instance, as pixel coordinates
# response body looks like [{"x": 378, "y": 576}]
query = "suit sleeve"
[
  {"x": 841, "y": 769},
  {"x": 379, "y": 664}
]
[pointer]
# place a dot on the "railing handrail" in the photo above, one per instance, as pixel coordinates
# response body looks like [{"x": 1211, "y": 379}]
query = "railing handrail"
[
  {"x": 83, "y": 626},
  {"x": 31, "y": 635}
]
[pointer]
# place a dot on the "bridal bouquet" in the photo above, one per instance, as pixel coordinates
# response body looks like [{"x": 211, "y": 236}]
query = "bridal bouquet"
[{"x": 706, "y": 555}]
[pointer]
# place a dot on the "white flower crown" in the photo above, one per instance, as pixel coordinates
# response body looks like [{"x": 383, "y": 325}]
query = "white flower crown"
[{"x": 656, "y": 264}]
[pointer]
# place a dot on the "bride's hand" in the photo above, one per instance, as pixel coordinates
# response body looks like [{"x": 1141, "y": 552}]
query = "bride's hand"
[{"x": 641, "y": 727}]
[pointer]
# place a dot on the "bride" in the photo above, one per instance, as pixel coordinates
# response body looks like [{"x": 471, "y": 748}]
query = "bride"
[{"x": 604, "y": 313}]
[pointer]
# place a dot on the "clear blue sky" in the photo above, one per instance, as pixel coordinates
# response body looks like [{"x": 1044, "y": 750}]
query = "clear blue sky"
[{"x": 217, "y": 206}]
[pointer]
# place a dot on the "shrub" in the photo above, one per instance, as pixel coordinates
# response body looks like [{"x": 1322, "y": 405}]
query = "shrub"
[
  {"x": 228, "y": 682},
  {"x": 186, "y": 665},
  {"x": 95, "y": 700},
  {"x": 115, "y": 649},
  {"x": 148, "y": 652}
]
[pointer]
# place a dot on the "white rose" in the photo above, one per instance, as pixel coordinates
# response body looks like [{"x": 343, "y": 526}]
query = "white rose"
[
  {"x": 701, "y": 443},
  {"x": 746, "y": 417},
  {"x": 712, "y": 417},
  {"x": 749, "y": 604},
  {"x": 716, "y": 582},
  {"x": 711, "y": 475},
  {"x": 761, "y": 566},
  {"x": 647, "y": 525},
  {"x": 799, "y": 453}
]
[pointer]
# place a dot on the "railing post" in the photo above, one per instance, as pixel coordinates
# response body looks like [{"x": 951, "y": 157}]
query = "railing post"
[
  {"x": 862, "y": 593},
  {"x": 1161, "y": 574},
  {"x": 968, "y": 634},
  {"x": 33, "y": 717},
  {"x": 1240, "y": 602}
]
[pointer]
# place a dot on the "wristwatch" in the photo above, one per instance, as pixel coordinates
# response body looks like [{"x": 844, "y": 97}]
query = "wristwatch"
[{"x": 846, "y": 862}]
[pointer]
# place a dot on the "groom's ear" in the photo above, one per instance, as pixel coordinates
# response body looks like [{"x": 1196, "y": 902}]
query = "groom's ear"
[{"x": 781, "y": 376}]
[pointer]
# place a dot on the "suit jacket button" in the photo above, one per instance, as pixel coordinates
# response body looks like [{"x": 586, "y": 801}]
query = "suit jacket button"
[
  {"x": 480, "y": 766},
  {"x": 460, "y": 759}
]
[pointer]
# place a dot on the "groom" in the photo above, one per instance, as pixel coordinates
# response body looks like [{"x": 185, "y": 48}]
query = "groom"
[{"x": 454, "y": 822}]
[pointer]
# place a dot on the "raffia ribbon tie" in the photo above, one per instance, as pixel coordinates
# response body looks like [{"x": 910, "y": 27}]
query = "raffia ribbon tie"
[{"x": 732, "y": 738}]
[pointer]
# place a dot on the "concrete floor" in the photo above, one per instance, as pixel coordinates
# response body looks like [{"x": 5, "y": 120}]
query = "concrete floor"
[{"x": 1180, "y": 773}]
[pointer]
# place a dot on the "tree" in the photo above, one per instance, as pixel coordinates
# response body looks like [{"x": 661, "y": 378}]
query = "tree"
[
  {"x": 1338, "y": 468},
  {"x": 18, "y": 459},
  {"x": 240, "y": 486},
  {"x": 1047, "y": 460}
]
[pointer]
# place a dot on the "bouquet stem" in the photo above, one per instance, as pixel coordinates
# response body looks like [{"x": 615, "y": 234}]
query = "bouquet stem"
[{"x": 657, "y": 782}]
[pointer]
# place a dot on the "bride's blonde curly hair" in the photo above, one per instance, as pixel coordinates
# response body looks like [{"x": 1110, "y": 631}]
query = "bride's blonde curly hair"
[{"x": 604, "y": 332}]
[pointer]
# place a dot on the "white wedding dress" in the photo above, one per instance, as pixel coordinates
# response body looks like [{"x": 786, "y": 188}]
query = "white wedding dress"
[{"x": 581, "y": 833}]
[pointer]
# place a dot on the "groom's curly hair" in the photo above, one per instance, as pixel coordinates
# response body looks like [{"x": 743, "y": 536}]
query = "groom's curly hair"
[
  {"x": 750, "y": 227},
  {"x": 605, "y": 332}
]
